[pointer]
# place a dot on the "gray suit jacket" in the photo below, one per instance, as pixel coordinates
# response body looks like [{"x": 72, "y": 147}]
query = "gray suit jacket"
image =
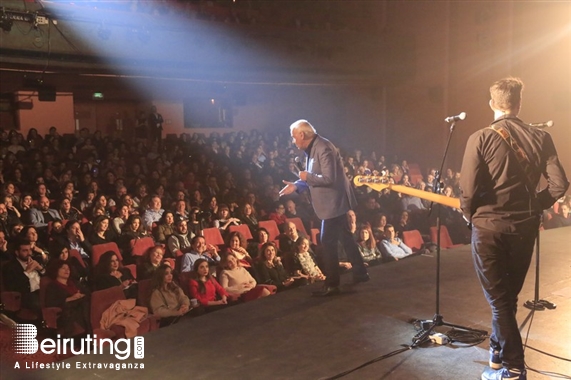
[
  {"x": 331, "y": 192},
  {"x": 37, "y": 217}
]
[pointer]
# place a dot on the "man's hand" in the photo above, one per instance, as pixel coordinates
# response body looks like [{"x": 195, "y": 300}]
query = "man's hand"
[
  {"x": 303, "y": 175},
  {"x": 288, "y": 189},
  {"x": 212, "y": 251}
]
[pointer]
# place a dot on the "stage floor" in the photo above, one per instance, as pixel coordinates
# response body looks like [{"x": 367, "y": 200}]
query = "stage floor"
[{"x": 294, "y": 336}]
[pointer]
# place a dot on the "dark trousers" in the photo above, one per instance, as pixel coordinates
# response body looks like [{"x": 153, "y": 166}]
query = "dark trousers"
[
  {"x": 333, "y": 231},
  {"x": 501, "y": 262}
]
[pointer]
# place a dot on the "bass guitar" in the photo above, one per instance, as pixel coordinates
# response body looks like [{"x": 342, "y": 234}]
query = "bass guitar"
[{"x": 379, "y": 183}]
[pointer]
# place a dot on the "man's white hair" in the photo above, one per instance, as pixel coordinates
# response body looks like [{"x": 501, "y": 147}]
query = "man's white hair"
[{"x": 303, "y": 126}]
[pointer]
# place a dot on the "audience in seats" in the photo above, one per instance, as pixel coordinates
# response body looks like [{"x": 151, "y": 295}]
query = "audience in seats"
[
  {"x": 78, "y": 172},
  {"x": 278, "y": 214},
  {"x": 392, "y": 247}
]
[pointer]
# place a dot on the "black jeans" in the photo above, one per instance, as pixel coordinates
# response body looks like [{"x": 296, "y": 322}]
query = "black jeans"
[
  {"x": 501, "y": 262},
  {"x": 332, "y": 231}
]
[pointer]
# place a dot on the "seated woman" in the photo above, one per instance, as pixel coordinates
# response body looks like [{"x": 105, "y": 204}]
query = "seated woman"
[
  {"x": 79, "y": 270},
  {"x": 101, "y": 234},
  {"x": 378, "y": 227},
  {"x": 121, "y": 217},
  {"x": 165, "y": 227},
  {"x": 100, "y": 201},
  {"x": 62, "y": 292},
  {"x": 304, "y": 263},
  {"x": 368, "y": 245},
  {"x": 236, "y": 244},
  {"x": 168, "y": 301},
  {"x": 224, "y": 220},
  {"x": 261, "y": 237},
  {"x": 248, "y": 217},
  {"x": 25, "y": 207},
  {"x": 238, "y": 281},
  {"x": 272, "y": 272},
  {"x": 149, "y": 262},
  {"x": 67, "y": 212},
  {"x": 393, "y": 247},
  {"x": 133, "y": 229},
  {"x": 403, "y": 224},
  {"x": 205, "y": 288},
  {"x": 109, "y": 272},
  {"x": 86, "y": 203}
]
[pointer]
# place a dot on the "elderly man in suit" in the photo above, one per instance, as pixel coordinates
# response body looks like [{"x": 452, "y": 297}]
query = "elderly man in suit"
[{"x": 332, "y": 197}]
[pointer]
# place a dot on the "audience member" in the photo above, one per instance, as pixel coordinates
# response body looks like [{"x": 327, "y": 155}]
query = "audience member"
[
  {"x": 393, "y": 247},
  {"x": 238, "y": 281},
  {"x": 109, "y": 272},
  {"x": 168, "y": 301},
  {"x": 205, "y": 288},
  {"x": 64, "y": 293}
]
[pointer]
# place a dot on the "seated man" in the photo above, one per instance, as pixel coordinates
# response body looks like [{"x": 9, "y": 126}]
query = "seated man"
[
  {"x": 287, "y": 243},
  {"x": 393, "y": 247},
  {"x": 22, "y": 274},
  {"x": 199, "y": 250},
  {"x": 42, "y": 215},
  {"x": 153, "y": 213},
  {"x": 292, "y": 211},
  {"x": 180, "y": 239}
]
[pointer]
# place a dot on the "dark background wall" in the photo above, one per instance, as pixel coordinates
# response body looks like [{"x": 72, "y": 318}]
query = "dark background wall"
[{"x": 378, "y": 75}]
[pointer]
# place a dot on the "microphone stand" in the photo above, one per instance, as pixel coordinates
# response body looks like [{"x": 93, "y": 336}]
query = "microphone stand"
[
  {"x": 536, "y": 303},
  {"x": 427, "y": 326}
]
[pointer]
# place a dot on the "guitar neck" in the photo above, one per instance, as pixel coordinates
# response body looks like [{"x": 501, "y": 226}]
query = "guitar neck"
[
  {"x": 432, "y": 197},
  {"x": 379, "y": 184}
]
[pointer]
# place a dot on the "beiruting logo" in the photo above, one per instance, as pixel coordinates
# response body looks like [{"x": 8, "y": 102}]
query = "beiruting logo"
[{"x": 25, "y": 342}]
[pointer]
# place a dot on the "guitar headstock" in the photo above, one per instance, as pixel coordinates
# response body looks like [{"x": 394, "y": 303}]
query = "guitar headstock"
[{"x": 375, "y": 182}]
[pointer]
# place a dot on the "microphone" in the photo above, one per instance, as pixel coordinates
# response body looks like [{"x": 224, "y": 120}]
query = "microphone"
[
  {"x": 298, "y": 163},
  {"x": 460, "y": 116},
  {"x": 547, "y": 124}
]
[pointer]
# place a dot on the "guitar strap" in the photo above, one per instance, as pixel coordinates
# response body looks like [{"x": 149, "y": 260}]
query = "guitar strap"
[{"x": 521, "y": 156}]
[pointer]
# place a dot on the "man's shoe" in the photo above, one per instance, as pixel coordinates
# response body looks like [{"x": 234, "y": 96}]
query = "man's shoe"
[
  {"x": 504, "y": 373},
  {"x": 361, "y": 278},
  {"x": 495, "y": 360},
  {"x": 327, "y": 291}
]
